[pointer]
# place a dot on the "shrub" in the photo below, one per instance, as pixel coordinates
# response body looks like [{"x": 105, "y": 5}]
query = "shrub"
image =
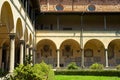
[
  {"x": 37, "y": 72},
  {"x": 72, "y": 65},
  {"x": 96, "y": 66},
  {"x": 118, "y": 67}
]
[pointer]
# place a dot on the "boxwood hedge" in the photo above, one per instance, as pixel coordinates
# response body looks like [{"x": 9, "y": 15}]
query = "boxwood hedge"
[{"x": 89, "y": 72}]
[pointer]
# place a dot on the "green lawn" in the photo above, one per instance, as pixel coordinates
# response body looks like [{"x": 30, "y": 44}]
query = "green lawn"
[{"x": 70, "y": 77}]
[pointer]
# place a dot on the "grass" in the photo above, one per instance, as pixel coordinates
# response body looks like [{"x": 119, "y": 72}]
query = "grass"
[{"x": 74, "y": 77}]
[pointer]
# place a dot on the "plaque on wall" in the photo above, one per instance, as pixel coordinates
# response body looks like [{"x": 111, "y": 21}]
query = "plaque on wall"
[
  {"x": 46, "y": 51},
  {"x": 88, "y": 53},
  {"x": 67, "y": 51}
]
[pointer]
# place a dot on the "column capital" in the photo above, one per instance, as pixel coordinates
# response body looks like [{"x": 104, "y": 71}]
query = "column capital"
[
  {"x": 12, "y": 35},
  {"x": 31, "y": 48},
  {"x": 27, "y": 45},
  {"x": 22, "y": 41},
  {"x": 82, "y": 49},
  {"x": 57, "y": 50},
  {"x": 106, "y": 49}
]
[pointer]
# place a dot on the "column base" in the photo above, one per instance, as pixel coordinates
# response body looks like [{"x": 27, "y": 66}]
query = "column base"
[
  {"x": 57, "y": 67},
  {"x": 82, "y": 66},
  {"x": 106, "y": 66}
]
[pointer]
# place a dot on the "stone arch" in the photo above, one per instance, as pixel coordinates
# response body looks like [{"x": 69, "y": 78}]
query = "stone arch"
[
  {"x": 26, "y": 35},
  {"x": 18, "y": 37},
  {"x": 94, "y": 51},
  {"x": 7, "y": 17},
  {"x": 19, "y": 28},
  {"x": 70, "y": 51},
  {"x": 114, "y": 52},
  {"x": 6, "y": 27},
  {"x": 46, "y": 51}
]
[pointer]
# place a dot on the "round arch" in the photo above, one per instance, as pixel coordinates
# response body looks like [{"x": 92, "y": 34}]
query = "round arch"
[
  {"x": 19, "y": 29},
  {"x": 6, "y": 27},
  {"x": 70, "y": 51},
  {"x": 7, "y": 17},
  {"x": 114, "y": 52},
  {"x": 46, "y": 51},
  {"x": 94, "y": 52}
]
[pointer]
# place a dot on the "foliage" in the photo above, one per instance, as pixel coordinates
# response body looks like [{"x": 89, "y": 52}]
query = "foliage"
[
  {"x": 37, "y": 72},
  {"x": 3, "y": 73},
  {"x": 72, "y": 65},
  {"x": 118, "y": 67},
  {"x": 28, "y": 59},
  {"x": 89, "y": 72},
  {"x": 96, "y": 66}
]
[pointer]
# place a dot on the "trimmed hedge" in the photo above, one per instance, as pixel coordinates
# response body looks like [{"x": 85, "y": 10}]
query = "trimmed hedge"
[{"x": 89, "y": 72}]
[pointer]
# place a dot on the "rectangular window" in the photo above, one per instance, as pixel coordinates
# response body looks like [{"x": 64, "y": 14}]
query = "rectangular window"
[{"x": 67, "y": 28}]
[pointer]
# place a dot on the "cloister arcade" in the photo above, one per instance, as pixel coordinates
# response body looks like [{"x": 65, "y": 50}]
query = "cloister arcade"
[
  {"x": 15, "y": 34},
  {"x": 70, "y": 51}
]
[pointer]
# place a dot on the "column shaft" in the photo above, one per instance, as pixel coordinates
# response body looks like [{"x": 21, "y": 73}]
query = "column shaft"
[
  {"x": 27, "y": 50},
  {"x": 82, "y": 61},
  {"x": 21, "y": 51},
  {"x": 31, "y": 56},
  {"x": 58, "y": 59},
  {"x": 106, "y": 57},
  {"x": 12, "y": 52}
]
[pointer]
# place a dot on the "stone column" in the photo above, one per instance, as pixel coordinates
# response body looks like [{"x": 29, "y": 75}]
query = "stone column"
[
  {"x": 31, "y": 55},
  {"x": 27, "y": 49},
  {"x": 106, "y": 57},
  {"x": 21, "y": 51},
  {"x": 34, "y": 52},
  {"x": 58, "y": 59},
  {"x": 12, "y": 51},
  {"x": 82, "y": 61}
]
